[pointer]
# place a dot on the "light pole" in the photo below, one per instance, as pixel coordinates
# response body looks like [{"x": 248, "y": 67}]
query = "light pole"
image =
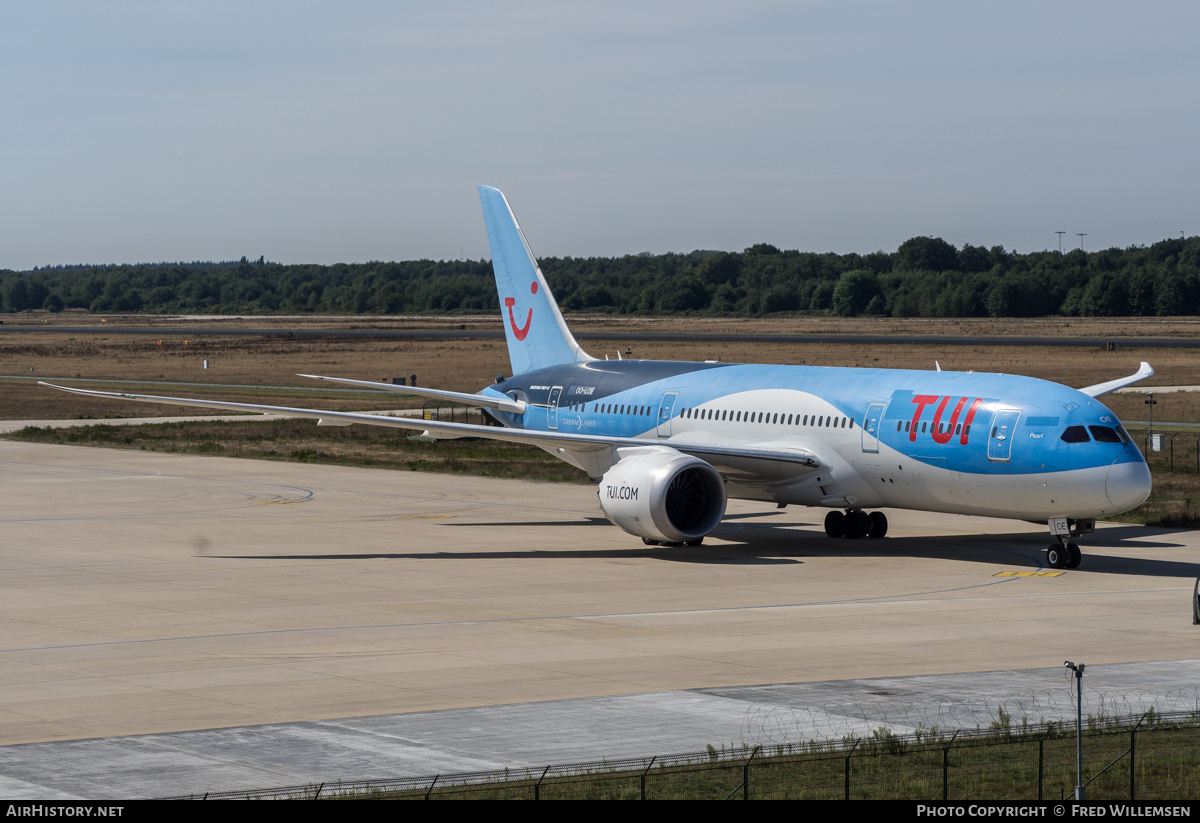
[
  {"x": 1082, "y": 234},
  {"x": 1060, "y": 234},
  {"x": 1078, "y": 669}
]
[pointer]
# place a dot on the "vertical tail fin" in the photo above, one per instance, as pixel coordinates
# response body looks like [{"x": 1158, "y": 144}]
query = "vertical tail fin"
[{"x": 535, "y": 330}]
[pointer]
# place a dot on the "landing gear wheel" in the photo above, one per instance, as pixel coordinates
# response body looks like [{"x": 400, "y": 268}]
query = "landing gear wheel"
[
  {"x": 649, "y": 542},
  {"x": 857, "y": 524},
  {"x": 1056, "y": 556},
  {"x": 878, "y": 525},
  {"x": 1074, "y": 556},
  {"x": 835, "y": 524}
]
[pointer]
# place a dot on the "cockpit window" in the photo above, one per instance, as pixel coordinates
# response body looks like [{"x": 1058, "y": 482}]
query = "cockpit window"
[
  {"x": 1075, "y": 434},
  {"x": 1105, "y": 434}
]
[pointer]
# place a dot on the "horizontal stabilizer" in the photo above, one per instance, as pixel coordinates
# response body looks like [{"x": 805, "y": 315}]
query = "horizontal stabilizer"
[
  {"x": 478, "y": 400},
  {"x": 1099, "y": 389}
]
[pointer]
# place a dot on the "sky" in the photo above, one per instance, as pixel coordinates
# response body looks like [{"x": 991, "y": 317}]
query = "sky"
[{"x": 330, "y": 132}]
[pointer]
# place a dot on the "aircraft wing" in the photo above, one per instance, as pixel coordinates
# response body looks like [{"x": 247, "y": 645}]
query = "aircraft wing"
[
  {"x": 791, "y": 460},
  {"x": 479, "y": 400},
  {"x": 1099, "y": 389}
]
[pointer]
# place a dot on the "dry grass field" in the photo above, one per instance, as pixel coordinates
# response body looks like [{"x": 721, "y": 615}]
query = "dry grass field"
[
  {"x": 466, "y": 365},
  {"x": 1113, "y": 328}
]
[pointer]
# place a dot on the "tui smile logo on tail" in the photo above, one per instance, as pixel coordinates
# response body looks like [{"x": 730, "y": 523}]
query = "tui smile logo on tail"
[{"x": 512, "y": 321}]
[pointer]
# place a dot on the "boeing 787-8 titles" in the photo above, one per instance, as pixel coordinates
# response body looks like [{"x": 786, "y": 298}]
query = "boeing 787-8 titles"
[{"x": 669, "y": 442}]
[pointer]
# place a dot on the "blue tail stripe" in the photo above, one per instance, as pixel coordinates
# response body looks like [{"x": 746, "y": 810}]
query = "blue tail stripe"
[{"x": 534, "y": 328}]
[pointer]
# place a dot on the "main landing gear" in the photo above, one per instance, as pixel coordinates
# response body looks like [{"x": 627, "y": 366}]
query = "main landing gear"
[{"x": 856, "y": 523}]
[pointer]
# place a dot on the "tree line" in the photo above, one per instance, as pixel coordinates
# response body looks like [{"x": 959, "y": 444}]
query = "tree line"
[{"x": 924, "y": 277}]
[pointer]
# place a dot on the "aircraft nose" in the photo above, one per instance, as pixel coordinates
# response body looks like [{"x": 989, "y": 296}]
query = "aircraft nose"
[{"x": 1128, "y": 484}]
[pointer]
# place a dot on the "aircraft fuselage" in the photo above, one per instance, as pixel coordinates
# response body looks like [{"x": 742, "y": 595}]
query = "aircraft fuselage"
[{"x": 963, "y": 442}]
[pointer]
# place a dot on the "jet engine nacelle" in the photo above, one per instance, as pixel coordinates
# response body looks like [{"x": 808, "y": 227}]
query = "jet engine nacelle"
[{"x": 663, "y": 496}]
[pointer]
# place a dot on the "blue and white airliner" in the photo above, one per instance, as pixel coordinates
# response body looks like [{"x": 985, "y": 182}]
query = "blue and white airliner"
[{"x": 668, "y": 443}]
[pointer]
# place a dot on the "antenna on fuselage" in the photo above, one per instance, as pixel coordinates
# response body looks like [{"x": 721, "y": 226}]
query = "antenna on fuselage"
[{"x": 938, "y": 365}]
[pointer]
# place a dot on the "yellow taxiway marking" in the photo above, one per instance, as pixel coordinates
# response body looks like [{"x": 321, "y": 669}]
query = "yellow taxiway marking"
[
  {"x": 427, "y": 517},
  {"x": 1028, "y": 574}
]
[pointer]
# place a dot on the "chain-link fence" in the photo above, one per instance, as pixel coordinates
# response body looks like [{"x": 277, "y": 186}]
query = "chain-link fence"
[
  {"x": 1154, "y": 756},
  {"x": 1174, "y": 461},
  {"x": 1175, "y": 451},
  {"x": 455, "y": 413}
]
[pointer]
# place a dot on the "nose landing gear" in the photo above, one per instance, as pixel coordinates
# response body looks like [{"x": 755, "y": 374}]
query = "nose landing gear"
[{"x": 1063, "y": 554}]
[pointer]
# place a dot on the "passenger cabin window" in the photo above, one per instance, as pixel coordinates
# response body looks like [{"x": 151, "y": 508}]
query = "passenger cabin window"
[{"x": 1075, "y": 434}]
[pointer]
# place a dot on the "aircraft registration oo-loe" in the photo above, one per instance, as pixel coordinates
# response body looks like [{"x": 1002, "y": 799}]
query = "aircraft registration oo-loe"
[{"x": 669, "y": 442}]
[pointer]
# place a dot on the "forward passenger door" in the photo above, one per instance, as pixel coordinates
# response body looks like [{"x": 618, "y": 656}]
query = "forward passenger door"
[{"x": 1000, "y": 437}]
